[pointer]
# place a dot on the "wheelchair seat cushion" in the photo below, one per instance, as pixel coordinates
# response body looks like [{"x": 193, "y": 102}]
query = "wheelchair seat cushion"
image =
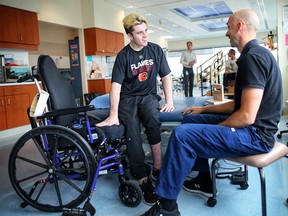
[{"x": 113, "y": 132}]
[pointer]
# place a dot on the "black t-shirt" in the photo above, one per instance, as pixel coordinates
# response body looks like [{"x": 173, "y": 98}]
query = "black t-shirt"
[
  {"x": 257, "y": 68},
  {"x": 137, "y": 71}
]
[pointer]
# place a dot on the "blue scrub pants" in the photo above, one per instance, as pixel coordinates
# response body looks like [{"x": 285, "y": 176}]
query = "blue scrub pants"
[{"x": 205, "y": 140}]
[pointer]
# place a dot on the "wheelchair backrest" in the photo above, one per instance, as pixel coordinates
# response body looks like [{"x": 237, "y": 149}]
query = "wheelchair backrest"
[{"x": 59, "y": 88}]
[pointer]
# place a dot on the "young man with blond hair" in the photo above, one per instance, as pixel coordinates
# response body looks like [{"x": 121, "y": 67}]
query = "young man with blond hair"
[{"x": 134, "y": 101}]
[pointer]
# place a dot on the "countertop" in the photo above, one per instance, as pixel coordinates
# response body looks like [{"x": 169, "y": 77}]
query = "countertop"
[
  {"x": 99, "y": 78},
  {"x": 15, "y": 83}
]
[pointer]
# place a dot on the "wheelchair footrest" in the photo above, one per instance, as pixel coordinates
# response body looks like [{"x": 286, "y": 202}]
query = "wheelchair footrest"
[
  {"x": 80, "y": 211},
  {"x": 238, "y": 178},
  {"x": 73, "y": 212}
]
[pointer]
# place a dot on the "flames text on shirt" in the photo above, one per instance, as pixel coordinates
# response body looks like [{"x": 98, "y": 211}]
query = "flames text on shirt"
[{"x": 144, "y": 65}]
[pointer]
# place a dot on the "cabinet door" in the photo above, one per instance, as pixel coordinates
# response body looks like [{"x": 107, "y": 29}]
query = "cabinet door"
[
  {"x": 16, "y": 110},
  {"x": 100, "y": 40},
  {"x": 119, "y": 42},
  {"x": 3, "y": 124},
  {"x": 95, "y": 41},
  {"x": 90, "y": 41},
  {"x": 111, "y": 43},
  {"x": 8, "y": 25},
  {"x": 27, "y": 23}
]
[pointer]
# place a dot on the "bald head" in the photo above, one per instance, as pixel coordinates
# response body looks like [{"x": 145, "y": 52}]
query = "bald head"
[
  {"x": 248, "y": 17},
  {"x": 242, "y": 27}
]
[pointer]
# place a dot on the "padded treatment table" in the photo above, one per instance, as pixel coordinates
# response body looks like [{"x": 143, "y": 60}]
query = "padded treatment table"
[{"x": 102, "y": 106}]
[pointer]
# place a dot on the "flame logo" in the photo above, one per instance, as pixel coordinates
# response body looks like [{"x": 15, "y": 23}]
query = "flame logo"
[{"x": 143, "y": 76}]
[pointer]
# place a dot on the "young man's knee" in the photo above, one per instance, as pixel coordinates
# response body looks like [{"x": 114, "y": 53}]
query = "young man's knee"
[{"x": 153, "y": 135}]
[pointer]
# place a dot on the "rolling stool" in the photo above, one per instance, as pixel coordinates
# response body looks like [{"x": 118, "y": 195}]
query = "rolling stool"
[
  {"x": 259, "y": 161},
  {"x": 279, "y": 136}
]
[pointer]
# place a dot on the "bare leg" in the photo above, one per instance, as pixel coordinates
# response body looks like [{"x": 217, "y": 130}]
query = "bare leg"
[
  {"x": 156, "y": 155},
  {"x": 156, "y": 152}
]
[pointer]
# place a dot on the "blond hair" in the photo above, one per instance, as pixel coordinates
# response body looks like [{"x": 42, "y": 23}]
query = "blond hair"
[{"x": 131, "y": 20}]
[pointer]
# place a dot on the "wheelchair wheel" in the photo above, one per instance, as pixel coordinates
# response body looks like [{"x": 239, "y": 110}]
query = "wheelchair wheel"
[
  {"x": 51, "y": 168},
  {"x": 129, "y": 194}
]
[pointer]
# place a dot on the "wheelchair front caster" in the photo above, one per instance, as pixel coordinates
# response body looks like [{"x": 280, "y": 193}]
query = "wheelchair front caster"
[
  {"x": 129, "y": 194},
  {"x": 244, "y": 185},
  {"x": 211, "y": 202}
]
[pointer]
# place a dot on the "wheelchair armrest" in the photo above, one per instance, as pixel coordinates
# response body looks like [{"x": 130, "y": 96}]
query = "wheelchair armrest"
[{"x": 67, "y": 111}]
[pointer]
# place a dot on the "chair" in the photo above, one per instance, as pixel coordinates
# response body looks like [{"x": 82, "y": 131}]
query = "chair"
[
  {"x": 259, "y": 161},
  {"x": 279, "y": 136}
]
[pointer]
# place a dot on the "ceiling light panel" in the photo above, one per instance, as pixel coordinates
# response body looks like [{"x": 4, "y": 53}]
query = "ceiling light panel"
[{"x": 215, "y": 9}]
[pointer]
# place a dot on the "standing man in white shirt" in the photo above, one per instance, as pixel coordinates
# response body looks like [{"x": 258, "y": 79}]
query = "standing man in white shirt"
[{"x": 188, "y": 59}]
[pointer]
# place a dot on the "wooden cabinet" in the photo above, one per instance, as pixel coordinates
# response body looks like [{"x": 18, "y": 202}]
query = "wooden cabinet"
[
  {"x": 119, "y": 41},
  {"x": 102, "y": 42},
  {"x": 101, "y": 86},
  {"x": 14, "y": 104},
  {"x": 19, "y": 29},
  {"x": 111, "y": 42},
  {"x": 3, "y": 124}
]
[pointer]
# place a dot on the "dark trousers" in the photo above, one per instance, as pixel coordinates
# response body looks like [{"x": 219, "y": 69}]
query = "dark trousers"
[
  {"x": 135, "y": 111},
  {"x": 188, "y": 78},
  {"x": 228, "y": 76}
]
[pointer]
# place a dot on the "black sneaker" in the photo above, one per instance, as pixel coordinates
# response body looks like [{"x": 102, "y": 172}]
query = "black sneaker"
[
  {"x": 148, "y": 191},
  {"x": 157, "y": 210},
  {"x": 155, "y": 174},
  {"x": 195, "y": 185}
]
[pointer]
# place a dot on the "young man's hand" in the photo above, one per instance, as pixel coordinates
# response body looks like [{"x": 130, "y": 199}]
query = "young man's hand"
[{"x": 167, "y": 107}]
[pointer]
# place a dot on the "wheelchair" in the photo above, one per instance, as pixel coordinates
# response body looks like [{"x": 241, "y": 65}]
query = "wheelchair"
[{"x": 54, "y": 167}]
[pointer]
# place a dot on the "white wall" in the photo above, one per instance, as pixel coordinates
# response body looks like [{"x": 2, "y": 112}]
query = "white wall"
[
  {"x": 31, "y": 5},
  {"x": 209, "y": 42},
  {"x": 64, "y": 12},
  {"x": 108, "y": 16},
  {"x": 282, "y": 49}
]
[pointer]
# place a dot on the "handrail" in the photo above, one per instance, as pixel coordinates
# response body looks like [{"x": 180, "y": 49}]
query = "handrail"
[{"x": 211, "y": 69}]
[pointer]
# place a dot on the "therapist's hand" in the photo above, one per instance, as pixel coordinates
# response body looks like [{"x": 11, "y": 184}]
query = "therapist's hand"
[
  {"x": 192, "y": 110},
  {"x": 167, "y": 107}
]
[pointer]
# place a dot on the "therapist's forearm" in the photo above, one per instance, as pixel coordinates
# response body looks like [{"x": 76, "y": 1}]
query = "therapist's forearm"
[{"x": 225, "y": 108}]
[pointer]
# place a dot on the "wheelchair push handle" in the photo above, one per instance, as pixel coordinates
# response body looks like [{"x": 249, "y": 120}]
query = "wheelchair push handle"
[
  {"x": 30, "y": 77},
  {"x": 25, "y": 78}
]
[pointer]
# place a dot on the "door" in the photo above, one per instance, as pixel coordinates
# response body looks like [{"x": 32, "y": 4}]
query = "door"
[
  {"x": 3, "y": 125},
  {"x": 8, "y": 22},
  {"x": 16, "y": 110},
  {"x": 27, "y": 23}
]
